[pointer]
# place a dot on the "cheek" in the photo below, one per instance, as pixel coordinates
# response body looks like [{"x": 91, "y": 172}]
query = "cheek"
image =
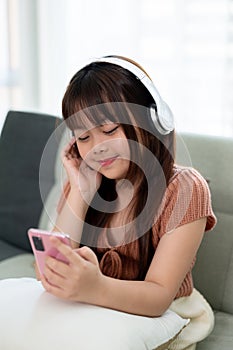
[
  {"x": 122, "y": 146},
  {"x": 82, "y": 151},
  {"x": 85, "y": 154}
]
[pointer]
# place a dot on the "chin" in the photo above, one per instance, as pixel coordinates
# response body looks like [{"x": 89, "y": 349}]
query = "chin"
[
  {"x": 118, "y": 172},
  {"x": 113, "y": 175}
]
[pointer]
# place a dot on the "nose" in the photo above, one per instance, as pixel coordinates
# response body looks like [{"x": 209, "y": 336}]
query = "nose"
[{"x": 100, "y": 148}]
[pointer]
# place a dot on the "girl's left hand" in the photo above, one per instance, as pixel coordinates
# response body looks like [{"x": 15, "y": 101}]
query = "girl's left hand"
[{"x": 79, "y": 280}]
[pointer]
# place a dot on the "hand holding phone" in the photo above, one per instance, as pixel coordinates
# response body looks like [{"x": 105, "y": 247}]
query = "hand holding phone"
[{"x": 42, "y": 246}]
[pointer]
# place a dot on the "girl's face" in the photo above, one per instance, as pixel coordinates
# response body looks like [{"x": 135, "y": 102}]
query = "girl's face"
[{"x": 105, "y": 149}]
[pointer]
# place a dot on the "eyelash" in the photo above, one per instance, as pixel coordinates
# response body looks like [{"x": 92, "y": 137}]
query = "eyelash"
[{"x": 110, "y": 132}]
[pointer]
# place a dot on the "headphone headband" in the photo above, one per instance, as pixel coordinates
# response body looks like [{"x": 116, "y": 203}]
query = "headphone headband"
[{"x": 163, "y": 119}]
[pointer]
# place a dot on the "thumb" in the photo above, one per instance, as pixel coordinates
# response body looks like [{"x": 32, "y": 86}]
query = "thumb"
[{"x": 88, "y": 254}]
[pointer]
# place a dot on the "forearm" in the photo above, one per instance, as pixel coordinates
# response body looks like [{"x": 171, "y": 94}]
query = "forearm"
[
  {"x": 136, "y": 297},
  {"x": 81, "y": 280},
  {"x": 71, "y": 218}
]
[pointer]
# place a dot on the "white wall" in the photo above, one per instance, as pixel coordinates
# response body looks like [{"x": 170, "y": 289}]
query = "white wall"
[{"x": 185, "y": 45}]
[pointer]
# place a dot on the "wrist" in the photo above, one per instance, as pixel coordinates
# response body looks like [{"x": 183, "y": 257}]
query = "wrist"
[
  {"x": 100, "y": 294},
  {"x": 84, "y": 197},
  {"x": 75, "y": 196}
]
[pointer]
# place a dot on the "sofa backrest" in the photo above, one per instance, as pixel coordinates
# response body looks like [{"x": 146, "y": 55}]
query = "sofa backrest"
[
  {"x": 212, "y": 156},
  {"x": 49, "y": 213},
  {"x": 23, "y": 139}
]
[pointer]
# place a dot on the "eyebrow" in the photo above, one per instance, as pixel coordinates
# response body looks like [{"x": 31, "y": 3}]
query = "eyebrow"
[
  {"x": 107, "y": 124},
  {"x": 96, "y": 126}
]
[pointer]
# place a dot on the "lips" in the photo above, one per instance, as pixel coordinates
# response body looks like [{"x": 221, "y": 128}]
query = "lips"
[{"x": 107, "y": 161}]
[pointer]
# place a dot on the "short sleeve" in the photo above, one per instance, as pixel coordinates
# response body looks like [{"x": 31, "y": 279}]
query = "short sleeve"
[{"x": 187, "y": 198}]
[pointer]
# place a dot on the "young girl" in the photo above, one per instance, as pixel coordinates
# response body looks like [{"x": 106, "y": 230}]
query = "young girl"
[{"x": 135, "y": 217}]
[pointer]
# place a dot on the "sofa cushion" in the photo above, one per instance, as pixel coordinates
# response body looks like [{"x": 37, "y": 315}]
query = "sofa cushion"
[
  {"x": 24, "y": 136},
  {"x": 221, "y": 337},
  {"x": 213, "y": 272},
  {"x": 21, "y": 265}
]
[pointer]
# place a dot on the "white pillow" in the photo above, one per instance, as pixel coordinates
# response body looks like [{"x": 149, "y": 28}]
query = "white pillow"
[{"x": 31, "y": 318}]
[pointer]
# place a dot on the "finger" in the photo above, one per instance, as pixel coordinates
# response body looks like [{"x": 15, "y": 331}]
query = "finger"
[
  {"x": 68, "y": 147},
  {"x": 67, "y": 164},
  {"x": 70, "y": 143},
  {"x": 88, "y": 254},
  {"x": 72, "y": 140},
  {"x": 51, "y": 288},
  {"x": 37, "y": 272},
  {"x": 53, "y": 278},
  {"x": 59, "y": 267},
  {"x": 66, "y": 250}
]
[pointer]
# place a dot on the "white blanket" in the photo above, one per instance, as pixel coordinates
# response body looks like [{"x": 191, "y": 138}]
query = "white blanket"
[{"x": 201, "y": 324}]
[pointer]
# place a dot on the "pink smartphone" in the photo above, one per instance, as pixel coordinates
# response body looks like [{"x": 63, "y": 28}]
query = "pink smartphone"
[{"x": 42, "y": 247}]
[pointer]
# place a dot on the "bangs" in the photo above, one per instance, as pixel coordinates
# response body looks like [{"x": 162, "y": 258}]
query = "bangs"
[
  {"x": 100, "y": 114},
  {"x": 97, "y": 95},
  {"x": 93, "y": 116}
]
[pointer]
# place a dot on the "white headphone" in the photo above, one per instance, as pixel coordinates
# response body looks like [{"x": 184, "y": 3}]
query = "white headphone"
[{"x": 163, "y": 119}]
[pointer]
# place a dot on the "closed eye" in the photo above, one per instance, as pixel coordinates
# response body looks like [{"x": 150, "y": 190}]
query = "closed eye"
[
  {"x": 111, "y": 131},
  {"x": 106, "y": 132},
  {"x": 83, "y": 138}
]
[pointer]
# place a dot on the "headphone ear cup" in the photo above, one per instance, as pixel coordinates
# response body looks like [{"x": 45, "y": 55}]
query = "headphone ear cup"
[
  {"x": 166, "y": 117},
  {"x": 161, "y": 116},
  {"x": 162, "y": 119}
]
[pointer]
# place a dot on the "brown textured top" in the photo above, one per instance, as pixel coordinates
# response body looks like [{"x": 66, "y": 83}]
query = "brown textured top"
[{"x": 187, "y": 198}]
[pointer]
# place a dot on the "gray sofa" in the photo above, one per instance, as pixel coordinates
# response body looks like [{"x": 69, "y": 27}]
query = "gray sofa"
[
  {"x": 213, "y": 272},
  {"x": 22, "y": 142},
  {"x": 23, "y": 139}
]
